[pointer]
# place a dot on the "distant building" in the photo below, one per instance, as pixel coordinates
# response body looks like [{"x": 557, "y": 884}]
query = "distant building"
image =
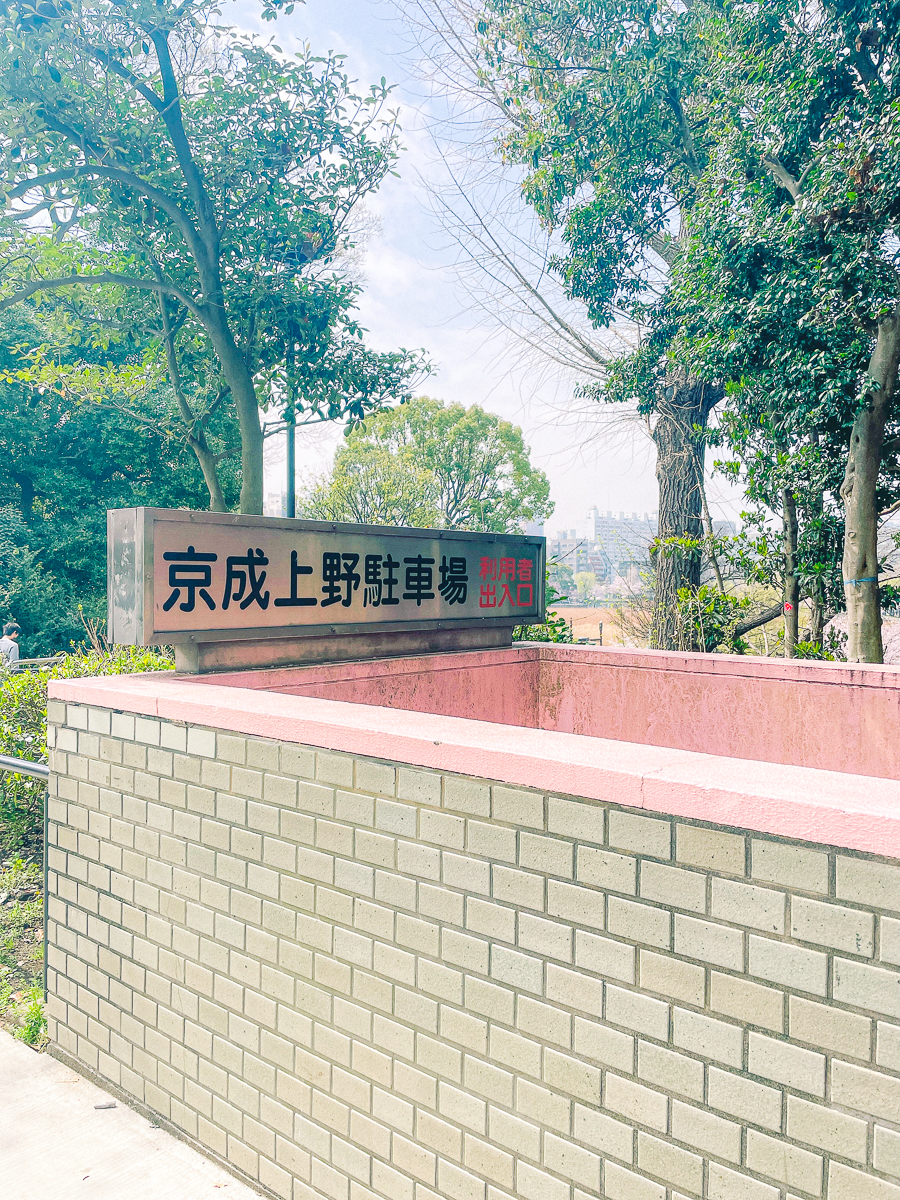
[
  {"x": 273, "y": 505},
  {"x": 580, "y": 555},
  {"x": 612, "y": 545}
]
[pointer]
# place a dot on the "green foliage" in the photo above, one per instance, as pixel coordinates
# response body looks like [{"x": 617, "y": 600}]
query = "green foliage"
[
  {"x": 23, "y": 732},
  {"x": 202, "y": 182},
  {"x": 790, "y": 257},
  {"x": 32, "y": 1021},
  {"x": 599, "y": 94},
  {"x": 585, "y": 582},
  {"x": 370, "y": 485},
  {"x": 554, "y": 629},
  {"x": 28, "y": 591},
  {"x": 562, "y": 579},
  {"x": 709, "y": 619},
  {"x": 832, "y": 649},
  {"x": 426, "y": 463},
  {"x": 727, "y": 176},
  {"x": 889, "y": 594},
  {"x": 63, "y": 463},
  {"x": 22, "y": 949}
]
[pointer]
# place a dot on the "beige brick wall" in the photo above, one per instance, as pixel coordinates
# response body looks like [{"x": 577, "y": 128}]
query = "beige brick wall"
[{"x": 355, "y": 980}]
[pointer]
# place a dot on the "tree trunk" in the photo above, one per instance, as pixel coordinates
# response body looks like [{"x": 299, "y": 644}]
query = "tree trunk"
[
  {"x": 26, "y": 495},
  {"x": 196, "y": 435},
  {"x": 791, "y": 584},
  {"x": 209, "y": 467},
  {"x": 815, "y": 508},
  {"x": 858, "y": 490},
  {"x": 685, "y": 403},
  {"x": 240, "y": 381},
  {"x": 815, "y": 631}
]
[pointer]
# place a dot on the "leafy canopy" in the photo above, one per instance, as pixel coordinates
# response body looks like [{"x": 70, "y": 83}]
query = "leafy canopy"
[
  {"x": 790, "y": 258},
  {"x": 63, "y": 461},
  {"x": 445, "y": 466},
  {"x": 208, "y": 172}
]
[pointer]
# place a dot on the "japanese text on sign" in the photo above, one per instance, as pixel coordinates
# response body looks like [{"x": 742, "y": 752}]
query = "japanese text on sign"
[{"x": 190, "y": 576}]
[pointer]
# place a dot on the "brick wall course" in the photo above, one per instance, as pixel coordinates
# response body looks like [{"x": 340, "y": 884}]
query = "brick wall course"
[{"x": 354, "y": 979}]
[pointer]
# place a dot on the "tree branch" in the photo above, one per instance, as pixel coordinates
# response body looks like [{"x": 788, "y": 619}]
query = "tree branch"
[
  {"x": 81, "y": 142},
  {"x": 173, "y": 120},
  {"x": 783, "y": 176},
  {"x": 151, "y": 285},
  {"x": 865, "y": 68},
  {"x": 118, "y": 68},
  {"x": 684, "y": 130},
  {"x": 127, "y": 179},
  {"x": 196, "y": 436},
  {"x": 663, "y": 245},
  {"x": 550, "y": 316},
  {"x": 763, "y": 618}
]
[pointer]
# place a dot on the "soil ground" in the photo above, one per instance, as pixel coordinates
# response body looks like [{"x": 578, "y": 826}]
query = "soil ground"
[
  {"x": 22, "y": 949},
  {"x": 585, "y": 623}
]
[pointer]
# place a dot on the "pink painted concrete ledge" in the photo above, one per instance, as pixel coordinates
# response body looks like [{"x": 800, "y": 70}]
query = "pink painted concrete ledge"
[
  {"x": 831, "y": 808},
  {"x": 762, "y": 709}
]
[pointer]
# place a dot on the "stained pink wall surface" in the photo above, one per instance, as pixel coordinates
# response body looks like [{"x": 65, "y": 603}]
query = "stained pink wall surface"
[
  {"x": 487, "y": 685},
  {"x": 837, "y": 717}
]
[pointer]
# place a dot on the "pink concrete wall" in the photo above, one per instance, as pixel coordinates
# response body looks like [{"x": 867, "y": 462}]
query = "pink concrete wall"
[
  {"x": 838, "y": 718},
  {"x": 487, "y": 685}
]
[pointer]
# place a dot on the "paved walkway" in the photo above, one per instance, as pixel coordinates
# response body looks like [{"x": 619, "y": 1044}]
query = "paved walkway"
[{"x": 55, "y": 1145}]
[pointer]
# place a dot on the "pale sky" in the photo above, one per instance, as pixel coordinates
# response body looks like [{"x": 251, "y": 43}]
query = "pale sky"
[{"x": 413, "y": 299}]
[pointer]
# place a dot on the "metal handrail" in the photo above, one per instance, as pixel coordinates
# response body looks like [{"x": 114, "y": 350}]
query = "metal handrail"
[
  {"x": 32, "y": 664},
  {"x": 22, "y": 766}
]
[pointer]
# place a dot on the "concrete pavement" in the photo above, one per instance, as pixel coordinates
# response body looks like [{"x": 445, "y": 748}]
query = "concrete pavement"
[{"x": 55, "y": 1144}]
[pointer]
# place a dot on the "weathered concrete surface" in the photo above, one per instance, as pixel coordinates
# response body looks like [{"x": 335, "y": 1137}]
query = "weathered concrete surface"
[
  {"x": 834, "y": 716},
  {"x": 54, "y": 1144}
]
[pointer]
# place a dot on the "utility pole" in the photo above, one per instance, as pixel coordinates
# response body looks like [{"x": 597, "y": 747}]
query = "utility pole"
[
  {"x": 290, "y": 505},
  {"x": 290, "y": 419}
]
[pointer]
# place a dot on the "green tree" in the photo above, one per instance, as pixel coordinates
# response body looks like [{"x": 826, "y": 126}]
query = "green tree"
[
  {"x": 602, "y": 111},
  {"x": 63, "y": 463},
  {"x": 369, "y": 485},
  {"x": 209, "y": 174},
  {"x": 585, "y": 582},
  {"x": 562, "y": 579},
  {"x": 791, "y": 272},
  {"x": 476, "y": 466}
]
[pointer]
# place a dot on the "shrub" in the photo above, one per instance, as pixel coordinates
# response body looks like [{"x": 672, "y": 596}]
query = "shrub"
[
  {"x": 555, "y": 627},
  {"x": 23, "y": 732}
]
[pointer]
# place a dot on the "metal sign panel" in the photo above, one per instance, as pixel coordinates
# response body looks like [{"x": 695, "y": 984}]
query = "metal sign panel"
[{"x": 178, "y": 576}]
